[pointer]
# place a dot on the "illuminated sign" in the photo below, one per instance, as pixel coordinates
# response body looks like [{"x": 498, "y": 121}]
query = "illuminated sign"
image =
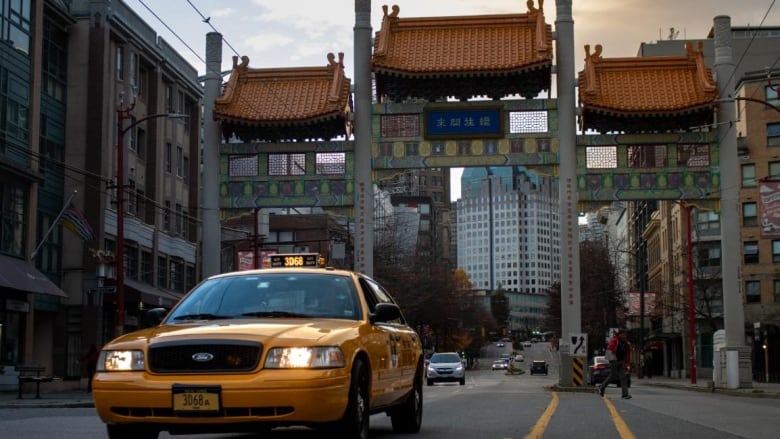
[
  {"x": 452, "y": 122},
  {"x": 295, "y": 260}
]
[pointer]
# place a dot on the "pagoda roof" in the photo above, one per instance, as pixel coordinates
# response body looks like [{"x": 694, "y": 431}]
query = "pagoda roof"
[
  {"x": 285, "y": 103},
  {"x": 656, "y": 93},
  {"x": 454, "y": 55}
]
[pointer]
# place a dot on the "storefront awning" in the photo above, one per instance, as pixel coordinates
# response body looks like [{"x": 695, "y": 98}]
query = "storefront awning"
[
  {"x": 153, "y": 295},
  {"x": 19, "y": 274}
]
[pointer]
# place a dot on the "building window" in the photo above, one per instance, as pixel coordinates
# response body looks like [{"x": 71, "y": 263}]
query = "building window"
[
  {"x": 180, "y": 102},
  {"x": 749, "y": 175},
  {"x": 776, "y": 251},
  {"x": 17, "y": 25},
  {"x": 131, "y": 262},
  {"x": 12, "y": 206},
  {"x": 168, "y": 158},
  {"x": 162, "y": 272},
  {"x": 147, "y": 273},
  {"x": 120, "y": 63},
  {"x": 168, "y": 98},
  {"x": 179, "y": 161},
  {"x": 753, "y": 291},
  {"x": 770, "y": 95},
  {"x": 177, "y": 277},
  {"x": 750, "y": 252},
  {"x": 186, "y": 169},
  {"x": 749, "y": 214},
  {"x": 773, "y": 134},
  {"x": 287, "y": 164},
  {"x": 134, "y": 72},
  {"x": 774, "y": 170},
  {"x": 242, "y": 165},
  {"x": 331, "y": 163},
  {"x": 189, "y": 280},
  {"x": 141, "y": 143},
  {"x": 776, "y": 287}
]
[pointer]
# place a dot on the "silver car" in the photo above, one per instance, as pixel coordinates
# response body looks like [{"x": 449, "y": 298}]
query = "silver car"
[{"x": 445, "y": 367}]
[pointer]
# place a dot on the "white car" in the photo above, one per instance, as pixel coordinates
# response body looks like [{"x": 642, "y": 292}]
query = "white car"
[
  {"x": 527, "y": 344},
  {"x": 445, "y": 367}
]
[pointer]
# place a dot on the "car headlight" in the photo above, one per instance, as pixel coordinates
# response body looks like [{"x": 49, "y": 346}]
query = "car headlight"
[
  {"x": 321, "y": 357},
  {"x": 118, "y": 361}
]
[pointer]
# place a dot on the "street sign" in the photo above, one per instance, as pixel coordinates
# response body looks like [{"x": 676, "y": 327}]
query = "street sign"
[{"x": 579, "y": 344}]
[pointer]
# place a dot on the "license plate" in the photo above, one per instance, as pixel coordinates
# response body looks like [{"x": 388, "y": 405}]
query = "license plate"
[{"x": 196, "y": 399}]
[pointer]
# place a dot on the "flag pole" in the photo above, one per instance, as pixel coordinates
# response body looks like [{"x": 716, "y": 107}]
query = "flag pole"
[{"x": 53, "y": 225}]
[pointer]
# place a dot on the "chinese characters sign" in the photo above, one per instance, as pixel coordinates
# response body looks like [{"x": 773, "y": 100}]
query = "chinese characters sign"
[{"x": 463, "y": 123}]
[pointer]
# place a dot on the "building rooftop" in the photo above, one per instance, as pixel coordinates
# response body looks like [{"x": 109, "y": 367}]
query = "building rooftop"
[
  {"x": 285, "y": 103},
  {"x": 452, "y": 55},
  {"x": 651, "y": 93}
]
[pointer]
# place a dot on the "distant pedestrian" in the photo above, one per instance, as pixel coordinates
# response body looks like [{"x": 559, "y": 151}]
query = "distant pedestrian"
[
  {"x": 90, "y": 360},
  {"x": 619, "y": 355},
  {"x": 648, "y": 361}
]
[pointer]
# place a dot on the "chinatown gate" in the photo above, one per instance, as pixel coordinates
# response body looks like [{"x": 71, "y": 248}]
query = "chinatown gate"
[{"x": 445, "y": 95}]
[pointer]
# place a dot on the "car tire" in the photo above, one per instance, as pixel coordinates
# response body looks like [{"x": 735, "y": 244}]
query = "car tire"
[
  {"x": 463, "y": 381},
  {"x": 407, "y": 418},
  {"x": 354, "y": 423},
  {"x": 116, "y": 431},
  {"x": 430, "y": 382}
]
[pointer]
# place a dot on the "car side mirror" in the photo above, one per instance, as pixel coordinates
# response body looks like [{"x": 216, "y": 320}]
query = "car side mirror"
[
  {"x": 384, "y": 312},
  {"x": 154, "y": 316}
]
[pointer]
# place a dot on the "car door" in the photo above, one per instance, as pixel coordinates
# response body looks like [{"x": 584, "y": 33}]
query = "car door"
[{"x": 403, "y": 346}]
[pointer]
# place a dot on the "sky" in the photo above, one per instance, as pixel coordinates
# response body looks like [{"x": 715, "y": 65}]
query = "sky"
[{"x": 299, "y": 33}]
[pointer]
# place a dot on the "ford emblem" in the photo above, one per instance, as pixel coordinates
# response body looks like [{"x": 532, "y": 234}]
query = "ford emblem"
[{"x": 202, "y": 357}]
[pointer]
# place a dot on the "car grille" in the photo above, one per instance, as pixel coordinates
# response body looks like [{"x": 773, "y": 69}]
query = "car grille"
[{"x": 204, "y": 356}]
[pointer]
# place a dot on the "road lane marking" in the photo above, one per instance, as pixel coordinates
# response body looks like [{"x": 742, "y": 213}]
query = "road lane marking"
[
  {"x": 620, "y": 425},
  {"x": 541, "y": 425}
]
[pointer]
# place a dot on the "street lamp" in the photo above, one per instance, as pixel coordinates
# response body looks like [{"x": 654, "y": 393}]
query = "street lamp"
[{"x": 123, "y": 113}]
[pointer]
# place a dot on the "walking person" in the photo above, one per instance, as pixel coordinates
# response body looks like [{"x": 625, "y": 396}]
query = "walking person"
[
  {"x": 619, "y": 355},
  {"x": 90, "y": 359}
]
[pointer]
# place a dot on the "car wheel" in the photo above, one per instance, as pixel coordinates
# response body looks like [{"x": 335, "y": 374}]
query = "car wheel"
[
  {"x": 354, "y": 423},
  {"x": 131, "y": 431},
  {"x": 430, "y": 382},
  {"x": 463, "y": 381},
  {"x": 407, "y": 418}
]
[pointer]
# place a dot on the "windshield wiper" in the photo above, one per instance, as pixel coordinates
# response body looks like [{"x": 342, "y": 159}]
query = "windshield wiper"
[
  {"x": 201, "y": 316},
  {"x": 274, "y": 314}
]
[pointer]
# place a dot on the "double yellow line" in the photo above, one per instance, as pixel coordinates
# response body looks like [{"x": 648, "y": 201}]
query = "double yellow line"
[{"x": 541, "y": 425}]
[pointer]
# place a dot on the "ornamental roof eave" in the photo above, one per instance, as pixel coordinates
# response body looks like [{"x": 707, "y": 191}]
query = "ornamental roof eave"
[
  {"x": 284, "y": 96},
  {"x": 462, "y": 45},
  {"x": 647, "y": 86}
]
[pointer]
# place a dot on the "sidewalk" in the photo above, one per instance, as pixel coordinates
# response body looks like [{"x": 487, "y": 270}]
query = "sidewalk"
[
  {"x": 759, "y": 390},
  {"x": 79, "y": 398},
  {"x": 61, "y": 399}
]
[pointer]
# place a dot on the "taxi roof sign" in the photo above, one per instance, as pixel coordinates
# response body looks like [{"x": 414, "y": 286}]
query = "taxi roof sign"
[{"x": 294, "y": 260}]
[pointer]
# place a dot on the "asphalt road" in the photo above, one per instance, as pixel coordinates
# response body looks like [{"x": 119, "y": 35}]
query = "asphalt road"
[{"x": 497, "y": 405}]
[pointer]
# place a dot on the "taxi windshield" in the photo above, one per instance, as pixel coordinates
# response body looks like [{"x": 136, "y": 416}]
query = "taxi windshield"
[{"x": 272, "y": 295}]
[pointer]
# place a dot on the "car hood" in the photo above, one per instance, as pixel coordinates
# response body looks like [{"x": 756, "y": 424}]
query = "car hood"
[{"x": 290, "y": 332}]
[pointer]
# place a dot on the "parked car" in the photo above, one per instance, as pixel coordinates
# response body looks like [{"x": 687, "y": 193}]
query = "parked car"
[
  {"x": 500, "y": 365},
  {"x": 293, "y": 345},
  {"x": 538, "y": 366},
  {"x": 598, "y": 370},
  {"x": 445, "y": 367}
]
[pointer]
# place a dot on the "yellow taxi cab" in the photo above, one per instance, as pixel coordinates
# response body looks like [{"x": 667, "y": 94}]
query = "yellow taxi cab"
[{"x": 295, "y": 344}]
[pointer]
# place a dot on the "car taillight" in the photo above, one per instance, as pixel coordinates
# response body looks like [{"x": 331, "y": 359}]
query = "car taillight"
[{"x": 600, "y": 366}]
